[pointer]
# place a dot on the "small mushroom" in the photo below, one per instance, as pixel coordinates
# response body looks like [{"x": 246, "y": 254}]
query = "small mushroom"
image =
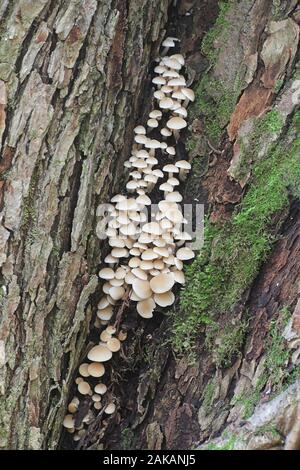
[
  {"x": 101, "y": 389},
  {"x": 162, "y": 283},
  {"x": 110, "y": 409},
  {"x": 84, "y": 388},
  {"x": 185, "y": 254},
  {"x": 145, "y": 308},
  {"x": 99, "y": 354},
  {"x": 175, "y": 124},
  {"x": 189, "y": 96},
  {"x": 96, "y": 369}
]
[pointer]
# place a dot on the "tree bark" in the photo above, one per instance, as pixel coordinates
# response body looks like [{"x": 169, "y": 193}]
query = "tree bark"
[
  {"x": 73, "y": 77},
  {"x": 74, "y": 80}
]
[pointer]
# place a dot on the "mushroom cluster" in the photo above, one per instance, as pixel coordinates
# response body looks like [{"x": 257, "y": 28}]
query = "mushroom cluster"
[{"x": 147, "y": 241}]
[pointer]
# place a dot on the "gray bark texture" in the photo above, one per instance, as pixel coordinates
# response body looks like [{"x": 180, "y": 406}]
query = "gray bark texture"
[
  {"x": 72, "y": 80},
  {"x": 75, "y": 78}
]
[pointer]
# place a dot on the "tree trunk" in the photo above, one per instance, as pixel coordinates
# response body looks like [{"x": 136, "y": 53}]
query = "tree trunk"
[
  {"x": 75, "y": 77},
  {"x": 73, "y": 80}
]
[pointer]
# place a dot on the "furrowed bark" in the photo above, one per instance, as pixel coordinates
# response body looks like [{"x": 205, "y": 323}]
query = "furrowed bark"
[{"x": 72, "y": 79}]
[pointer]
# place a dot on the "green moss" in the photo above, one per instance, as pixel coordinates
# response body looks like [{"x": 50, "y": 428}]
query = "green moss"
[
  {"x": 275, "y": 371},
  {"x": 227, "y": 345},
  {"x": 268, "y": 429},
  {"x": 229, "y": 444},
  {"x": 127, "y": 439},
  {"x": 208, "y": 44},
  {"x": 208, "y": 395},
  {"x": 233, "y": 252},
  {"x": 215, "y": 101},
  {"x": 269, "y": 124}
]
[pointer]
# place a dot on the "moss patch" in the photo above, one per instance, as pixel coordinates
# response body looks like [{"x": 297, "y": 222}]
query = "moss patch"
[
  {"x": 208, "y": 47},
  {"x": 233, "y": 253}
]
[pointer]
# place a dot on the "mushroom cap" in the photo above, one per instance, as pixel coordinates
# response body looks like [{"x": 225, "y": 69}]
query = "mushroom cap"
[
  {"x": 160, "y": 69},
  {"x": 141, "y": 139},
  {"x": 172, "y": 63},
  {"x": 188, "y": 93},
  {"x": 69, "y": 422},
  {"x": 96, "y": 398},
  {"x": 97, "y": 405},
  {"x": 155, "y": 114},
  {"x": 173, "y": 181},
  {"x": 72, "y": 407},
  {"x": 84, "y": 388},
  {"x": 110, "y": 409},
  {"x": 152, "y": 122},
  {"x": 142, "y": 154},
  {"x": 166, "y": 187},
  {"x": 171, "y": 150},
  {"x": 116, "y": 242},
  {"x": 159, "y": 81},
  {"x": 99, "y": 353},
  {"x": 170, "y": 168},
  {"x": 140, "y": 130},
  {"x": 161, "y": 251},
  {"x": 151, "y": 178},
  {"x": 167, "y": 89},
  {"x": 145, "y": 308},
  {"x": 181, "y": 111},
  {"x": 140, "y": 163},
  {"x": 122, "y": 335},
  {"x": 166, "y": 103},
  {"x": 120, "y": 273},
  {"x": 106, "y": 273},
  {"x": 105, "y": 336},
  {"x": 158, "y": 264},
  {"x": 141, "y": 288},
  {"x": 170, "y": 74},
  {"x": 174, "y": 215},
  {"x": 165, "y": 299},
  {"x": 101, "y": 389},
  {"x": 83, "y": 370},
  {"x": 153, "y": 144},
  {"x": 175, "y": 196},
  {"x": 149, "y": 255},
  {"x": 179, "y": 58},
  {"x": 162, "y": 283},
  {"x": 157, "y": 172},
  {"x": 176, "y": 123},
  {"x": 178, "y": 95},
  {"x": 153, "y": 228},
  {"x": 146, "y": 265},
  {"x": 168, "y": 42},
  {"x": 140, "y": 274},
  {"x": 132, "y": 185},
  {"x": 103, "y": 302},
  {"x": 179, "y": 276},
  {"x": 117, "y": 292},
  {"x": 165, "y": 132},
  {"x": 96, "y": 369},
  {"x": 159, "y": 95},
  {"x": 118, "y": 198},
  {"x": 120, "y": 252},
  {"x": 111, "y": 329},
  {"x": 183, "y": 164},
  {"x": 177, "y": 82},
  {"x": 185, "y": 254},
  {"x": 134, "y": 262},
  {"x": 105, "y": 313},
  {"x": 109, "y": 259},
  {"x": 113, "y": 344}
]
